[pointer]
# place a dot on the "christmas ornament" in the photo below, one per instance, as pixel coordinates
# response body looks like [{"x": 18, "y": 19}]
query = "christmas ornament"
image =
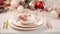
[
  {"x": 1, "y": 5},
  {"x": 20, "y": 8},
  {"x": 58, "y": 15},
  {"x": 27, "y": 1},
  {"x": 23, "y": 17},
  {"x": 39, "y": 5},
  {"x": 54, "y": 13},
  {"x": 32, "y": 4},
  {"x": 22, "y": 2},
  {"x": 2, "y": 8},
  {"x": 14, "y": 3},
  {"x": 8, "y": 3}
]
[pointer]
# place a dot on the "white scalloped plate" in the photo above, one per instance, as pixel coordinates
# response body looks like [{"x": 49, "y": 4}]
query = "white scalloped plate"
[
  {"x": 19, "y": 24},
  {"x": 23, "y": 27},
  {"x": 26, "y": 29}
]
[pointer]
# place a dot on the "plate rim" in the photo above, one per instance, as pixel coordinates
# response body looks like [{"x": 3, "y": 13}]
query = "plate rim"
[{"x": 27, "y": 28}]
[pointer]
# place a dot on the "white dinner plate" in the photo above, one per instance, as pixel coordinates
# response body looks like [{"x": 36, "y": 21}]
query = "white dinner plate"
[
  {"x": 26, "y": 29},
  {"x": 19, "y": 24}
]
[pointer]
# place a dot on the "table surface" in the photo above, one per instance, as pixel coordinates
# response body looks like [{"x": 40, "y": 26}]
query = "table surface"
[{"x": 55, "y": 26}]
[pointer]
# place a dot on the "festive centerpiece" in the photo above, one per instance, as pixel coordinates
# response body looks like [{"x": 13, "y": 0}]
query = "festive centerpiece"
[{"x": 2, "y": 6}]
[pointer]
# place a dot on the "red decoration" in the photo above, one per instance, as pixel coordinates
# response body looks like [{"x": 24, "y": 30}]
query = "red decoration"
[
  {"x": 58, "y": 15},
  {"x": 23, "y": 17},
  {"x": 39, "y": 5},
  {"x": 1, "y": 5},
  {"x": 21, "y": 3},
  {"x": 46, "y": 10},
  {"x": 7, "y": 4}
]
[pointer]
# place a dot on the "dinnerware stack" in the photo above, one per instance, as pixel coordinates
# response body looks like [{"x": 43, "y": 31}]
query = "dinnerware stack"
[{"x": 28, "y": 25}]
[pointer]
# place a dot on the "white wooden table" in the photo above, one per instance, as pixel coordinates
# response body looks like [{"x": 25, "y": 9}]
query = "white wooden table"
[{"x": 55, "y": 24}]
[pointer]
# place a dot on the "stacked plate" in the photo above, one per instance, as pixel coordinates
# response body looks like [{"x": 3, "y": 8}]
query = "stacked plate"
[
  {"x": 33, "y": 22},
  {"x": 19, "y": 26}
]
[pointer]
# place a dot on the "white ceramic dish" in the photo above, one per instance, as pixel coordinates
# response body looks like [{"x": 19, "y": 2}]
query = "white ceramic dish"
[
  {"x": 18, "y": 23},
  {"x": 19, "y": 26},
  {"x": 33, "y": 21},
  {"x": 26, "y": 29}
]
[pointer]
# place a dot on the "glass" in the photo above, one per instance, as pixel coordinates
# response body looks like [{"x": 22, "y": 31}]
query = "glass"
[
  {"x": 54, "y": 7},
  {"x": 52, "y": 4}
]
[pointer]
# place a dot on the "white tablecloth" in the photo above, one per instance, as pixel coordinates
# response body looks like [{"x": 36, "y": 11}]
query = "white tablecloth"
[{"x": 55, "y": 24}]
